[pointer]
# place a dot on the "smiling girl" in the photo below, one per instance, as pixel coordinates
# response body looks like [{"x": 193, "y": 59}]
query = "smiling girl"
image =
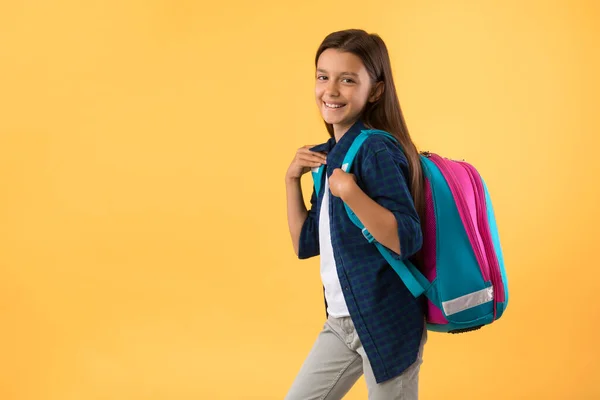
[{"x": 374, "y": 325}]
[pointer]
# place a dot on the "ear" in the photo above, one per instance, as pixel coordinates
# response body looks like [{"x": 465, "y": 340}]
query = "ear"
[{"x": 376, "y": 92}]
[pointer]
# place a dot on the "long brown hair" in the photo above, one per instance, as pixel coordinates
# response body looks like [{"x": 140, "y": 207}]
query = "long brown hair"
[{"x": 385, "y": 113}]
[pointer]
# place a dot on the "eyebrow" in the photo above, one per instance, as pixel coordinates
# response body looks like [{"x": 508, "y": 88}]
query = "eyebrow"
[{"x": 343, "y": 73}]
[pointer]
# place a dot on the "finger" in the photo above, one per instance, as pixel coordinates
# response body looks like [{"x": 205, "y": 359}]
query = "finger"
[
  {"x": 308, "y": 147},
  {"x": 312, "y": 155},
  {"x": 316, "y": 153},
  {"x": 310, "y": 164},
  {"x": 312, "y": 158},
  {"x": 319, "y": 153}
]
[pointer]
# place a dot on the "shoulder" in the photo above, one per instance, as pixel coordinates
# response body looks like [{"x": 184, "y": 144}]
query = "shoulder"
[{"x": 377, "y": 147}]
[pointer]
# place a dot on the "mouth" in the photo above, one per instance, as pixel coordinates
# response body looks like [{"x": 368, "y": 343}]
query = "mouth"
[{"x": 334, "y": 106}]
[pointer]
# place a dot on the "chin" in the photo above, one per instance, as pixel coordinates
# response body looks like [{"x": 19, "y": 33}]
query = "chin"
[{"x": 333, "y": 121}]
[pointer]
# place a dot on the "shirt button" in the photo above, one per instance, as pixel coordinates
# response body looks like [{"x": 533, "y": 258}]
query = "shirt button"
[{"x": 346, "y": 288}]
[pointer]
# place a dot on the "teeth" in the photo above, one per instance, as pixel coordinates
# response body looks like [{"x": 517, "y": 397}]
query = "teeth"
[{"x": 333, "y": 105}]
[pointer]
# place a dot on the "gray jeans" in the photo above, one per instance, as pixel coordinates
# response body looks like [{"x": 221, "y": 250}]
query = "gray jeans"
[{"x": 337, "y": 360}]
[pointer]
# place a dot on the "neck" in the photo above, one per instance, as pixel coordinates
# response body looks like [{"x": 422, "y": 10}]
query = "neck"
[{"x": 340, "y": 130}]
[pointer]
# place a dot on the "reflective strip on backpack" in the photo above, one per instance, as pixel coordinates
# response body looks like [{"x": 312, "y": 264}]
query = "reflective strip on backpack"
[{"x": 467, "y": 301}]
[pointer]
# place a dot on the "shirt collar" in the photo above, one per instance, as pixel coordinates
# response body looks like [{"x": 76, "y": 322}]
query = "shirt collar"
[{"x": 337, "y": 151}]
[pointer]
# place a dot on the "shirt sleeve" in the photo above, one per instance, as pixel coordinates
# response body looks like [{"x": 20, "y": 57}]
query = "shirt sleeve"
[
  {"x": 385, "y": 180},
  {"x": 308, "y": 245}
]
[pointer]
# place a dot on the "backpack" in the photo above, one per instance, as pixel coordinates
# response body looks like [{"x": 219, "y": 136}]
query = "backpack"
[{"x": 462, "y": 271}]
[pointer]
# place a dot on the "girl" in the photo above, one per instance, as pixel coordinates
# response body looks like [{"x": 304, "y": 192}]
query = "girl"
[{"x": 374, "y": 325}]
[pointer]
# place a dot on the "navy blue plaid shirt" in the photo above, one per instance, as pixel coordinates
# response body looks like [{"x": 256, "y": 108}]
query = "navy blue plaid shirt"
[{"x": 388, "y": 319}]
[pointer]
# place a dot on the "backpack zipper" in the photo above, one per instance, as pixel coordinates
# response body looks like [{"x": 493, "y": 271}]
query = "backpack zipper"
[
  {"x": 486, "y": 236},
  {"x": 462, "y": 209}
]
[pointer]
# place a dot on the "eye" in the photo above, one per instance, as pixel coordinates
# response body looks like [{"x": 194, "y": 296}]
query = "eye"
[
  {"x": 321, "y": 77},
  {"x": 347, "y": 80}
]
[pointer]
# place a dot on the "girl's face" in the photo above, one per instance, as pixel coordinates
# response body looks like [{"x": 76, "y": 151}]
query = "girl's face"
[{"x": 342, "y": 89}]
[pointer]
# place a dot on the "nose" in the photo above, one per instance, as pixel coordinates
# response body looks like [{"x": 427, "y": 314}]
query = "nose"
[{"x": 332, "y": 88}]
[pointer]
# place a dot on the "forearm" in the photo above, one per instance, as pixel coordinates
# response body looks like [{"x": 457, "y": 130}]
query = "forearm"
[
  {"x": 296, "y": 210},
  {"x": 378, "y": 220}
]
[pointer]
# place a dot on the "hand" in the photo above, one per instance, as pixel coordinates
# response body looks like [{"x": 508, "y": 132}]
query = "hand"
[
  {"x": 304, "y": 161},
  {"x": 342, "y": 183}
]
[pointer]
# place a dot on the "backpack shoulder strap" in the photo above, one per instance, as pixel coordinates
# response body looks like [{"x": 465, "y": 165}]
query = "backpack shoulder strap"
[
  {"x": 358, "y": 142},
  {"x": 414, "y": 280}
]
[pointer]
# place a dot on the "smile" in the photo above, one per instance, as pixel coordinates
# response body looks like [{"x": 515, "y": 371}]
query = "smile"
[{"x": 333, "y": 105}]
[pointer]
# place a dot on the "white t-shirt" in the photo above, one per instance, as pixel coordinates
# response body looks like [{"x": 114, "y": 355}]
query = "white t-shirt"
[{"x": 336, "y": 304}]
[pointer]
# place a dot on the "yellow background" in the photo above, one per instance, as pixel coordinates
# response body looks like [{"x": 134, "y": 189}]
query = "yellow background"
[{"x": 144, "y": 250}]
